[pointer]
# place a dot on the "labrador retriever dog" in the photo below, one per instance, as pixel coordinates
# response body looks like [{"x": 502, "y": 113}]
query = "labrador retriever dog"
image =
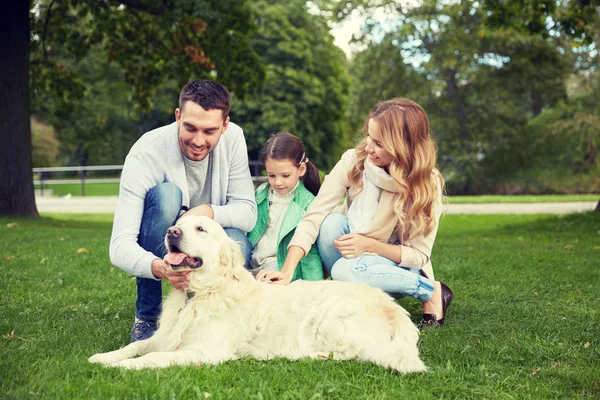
[{"x": 225, "y": 314}]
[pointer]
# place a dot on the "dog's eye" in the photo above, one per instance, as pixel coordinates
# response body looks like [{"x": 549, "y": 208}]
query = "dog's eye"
[{"x": 200, "y": 229}]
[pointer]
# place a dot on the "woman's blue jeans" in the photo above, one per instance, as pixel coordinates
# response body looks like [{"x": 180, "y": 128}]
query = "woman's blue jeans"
[
  {"x": 162, "y": 207},
  {"x": 371, "y": 269}
]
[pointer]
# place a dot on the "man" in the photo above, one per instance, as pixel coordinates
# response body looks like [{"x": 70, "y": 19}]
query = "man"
[{"x": 196, "y": 165}]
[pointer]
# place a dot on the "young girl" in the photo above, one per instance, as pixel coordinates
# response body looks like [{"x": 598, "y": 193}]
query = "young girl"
[
  {"x": 394, "y": 202},
  {"x": 282, "y": 201}
]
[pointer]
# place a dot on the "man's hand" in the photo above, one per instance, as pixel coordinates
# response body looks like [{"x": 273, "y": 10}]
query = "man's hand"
[
  {"x": 162, "y": 270},
  {"x": 353, "y": 244},
  {"x": 203, "y": 210},
  {"x": 276, "y": 277}
]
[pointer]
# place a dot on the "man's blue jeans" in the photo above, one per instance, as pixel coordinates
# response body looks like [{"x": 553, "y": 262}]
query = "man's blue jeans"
[
  {"x": 162, "y": 207},
  {"x": 371, "y": 269}
]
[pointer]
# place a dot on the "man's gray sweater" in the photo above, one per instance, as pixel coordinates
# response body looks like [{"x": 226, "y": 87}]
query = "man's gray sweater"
[{"x": 156, "y": 158}]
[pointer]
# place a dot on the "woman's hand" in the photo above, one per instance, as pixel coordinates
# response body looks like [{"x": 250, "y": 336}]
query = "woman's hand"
[
  {"x": 353, "y": 244},
  {"x": 276, "y": 277}
]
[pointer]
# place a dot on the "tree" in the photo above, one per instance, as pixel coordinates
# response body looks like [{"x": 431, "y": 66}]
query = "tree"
[
  {"x": 16, "y": 186},
  {"x": 305, "y": 89},
  {"x": 479, "y": 83},
  {"x": 152, "y": 40}
]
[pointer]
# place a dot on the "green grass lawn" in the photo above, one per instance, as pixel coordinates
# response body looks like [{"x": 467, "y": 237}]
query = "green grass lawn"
[
  {"x": 548, "y": 198},
  {"x": 112, "y": 189},
  {"x": 91, "y": 189},
  {"x": 523, "y": 324}
]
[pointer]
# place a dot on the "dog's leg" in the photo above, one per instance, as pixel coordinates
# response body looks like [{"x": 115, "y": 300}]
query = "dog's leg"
[
  {"x": 129, "y": 351},
  {"x": 158, "y": 360}
]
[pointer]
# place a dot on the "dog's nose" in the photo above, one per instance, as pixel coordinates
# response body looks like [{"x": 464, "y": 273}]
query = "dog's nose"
[{"x": 173, "y": 232}]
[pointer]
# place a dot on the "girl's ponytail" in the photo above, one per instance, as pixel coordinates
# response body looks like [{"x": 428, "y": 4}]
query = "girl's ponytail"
[{"x": 312, "y": 179}]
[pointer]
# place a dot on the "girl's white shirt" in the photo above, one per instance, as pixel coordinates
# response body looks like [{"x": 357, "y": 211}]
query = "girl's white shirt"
[{"x": 265, "y": 251}]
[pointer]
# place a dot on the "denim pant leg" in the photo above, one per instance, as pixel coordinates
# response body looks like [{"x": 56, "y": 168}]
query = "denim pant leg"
[
  {"x": 333, "y": 226},
  {"x": 385, "y": 274},
  {"x": 240, "y": 238},
  {"x": 161, "y": 209}
]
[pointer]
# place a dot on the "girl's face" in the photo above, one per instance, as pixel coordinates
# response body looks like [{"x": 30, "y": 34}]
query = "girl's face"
[
  {"x": 377, "y": 155},
  {"x": 283, "y": 174}
]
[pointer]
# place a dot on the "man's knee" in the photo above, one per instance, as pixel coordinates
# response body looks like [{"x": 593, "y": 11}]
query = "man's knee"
[
  {"x": 242, "y": 240},
  {"x": 164, "y": 201}
]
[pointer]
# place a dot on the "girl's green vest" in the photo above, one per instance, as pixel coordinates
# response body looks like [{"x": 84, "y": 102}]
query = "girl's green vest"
[{"x": 310, "y": 267}]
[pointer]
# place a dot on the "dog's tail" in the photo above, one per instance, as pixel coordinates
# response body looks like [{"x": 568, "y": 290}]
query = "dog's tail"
[{"x": 401, "y": 352}]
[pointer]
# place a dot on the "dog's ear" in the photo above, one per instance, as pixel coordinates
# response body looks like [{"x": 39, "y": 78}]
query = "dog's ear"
[{"x": 231, "y": 258}]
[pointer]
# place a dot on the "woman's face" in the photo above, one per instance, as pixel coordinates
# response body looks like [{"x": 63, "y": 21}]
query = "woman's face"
[{"x": 377, "y": 155}]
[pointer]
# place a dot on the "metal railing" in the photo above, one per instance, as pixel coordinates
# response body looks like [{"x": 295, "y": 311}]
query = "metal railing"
[{"x": 44, "y": 175}]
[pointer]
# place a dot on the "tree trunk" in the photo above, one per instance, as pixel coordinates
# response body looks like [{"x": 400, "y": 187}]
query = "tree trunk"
[
  {"x": 536, "y": 103},
  {"x": 16, "y": 185},
  {"x": 459, "y": 108},
  {"x": 597, "y": 207}
]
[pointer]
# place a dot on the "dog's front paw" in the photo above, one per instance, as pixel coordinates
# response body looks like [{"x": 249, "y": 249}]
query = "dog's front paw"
[
  {"x": 132, "y": 363},
  {"x": 105, "y": 358}
]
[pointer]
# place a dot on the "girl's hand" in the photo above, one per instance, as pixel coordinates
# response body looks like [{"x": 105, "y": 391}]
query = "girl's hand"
[
  {"x": 276, "y": 277},
  {"x": 353, "y": 244}
]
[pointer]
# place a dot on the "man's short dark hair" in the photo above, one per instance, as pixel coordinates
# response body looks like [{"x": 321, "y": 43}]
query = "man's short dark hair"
[{"x": 207, "y": 94}]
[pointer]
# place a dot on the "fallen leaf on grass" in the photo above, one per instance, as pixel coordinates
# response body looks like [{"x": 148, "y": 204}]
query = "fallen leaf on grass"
[
  {"x": 206, "y": 395},
  {"x": 568, "y": 246},
  {"x": 13, "y": 336},
  {"x": 536, "y": 293},
  {"x": 556, "y": 364},
  {"x": 7, "y": 258},
  {"x": 586, "y": 344},
  {"x": 83, "y": 250},
  {"x": 11, "y": 224},
  {"x": 535, "y": 371}
]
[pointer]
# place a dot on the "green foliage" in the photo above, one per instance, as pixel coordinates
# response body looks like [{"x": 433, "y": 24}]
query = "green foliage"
[
  {"x": 522, "y": 324},
  {"x": 480, "y": 83},
  {"x": 572, "y": 19},
  {"x": 305, "y": 89},
  {"x": 151, "y": 40},
  {"x": 45, "y": 145},
  {"x": 104, "y": 72}
]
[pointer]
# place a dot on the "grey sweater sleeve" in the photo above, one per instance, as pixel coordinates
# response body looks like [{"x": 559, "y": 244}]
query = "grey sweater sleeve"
[
  {"x": 239, "y": 210},
  {"x": 125, "y": 252}
]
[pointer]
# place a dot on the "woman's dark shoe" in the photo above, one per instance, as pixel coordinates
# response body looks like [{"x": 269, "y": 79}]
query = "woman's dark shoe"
[{"x": 430, "y": 320}]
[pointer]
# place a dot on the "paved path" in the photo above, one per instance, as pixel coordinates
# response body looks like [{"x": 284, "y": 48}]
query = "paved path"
[{"x": 100, "y": 205}]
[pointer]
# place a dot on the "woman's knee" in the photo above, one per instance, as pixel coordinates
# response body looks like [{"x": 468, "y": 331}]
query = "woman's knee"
[{"x": 333, "y": 226}]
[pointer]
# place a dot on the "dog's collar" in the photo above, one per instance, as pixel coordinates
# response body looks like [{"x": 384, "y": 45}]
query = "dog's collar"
[{"x": 189, "y": 295}]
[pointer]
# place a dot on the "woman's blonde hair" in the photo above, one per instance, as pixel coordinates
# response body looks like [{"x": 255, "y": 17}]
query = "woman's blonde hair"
[{"x": 404, "y": 129}]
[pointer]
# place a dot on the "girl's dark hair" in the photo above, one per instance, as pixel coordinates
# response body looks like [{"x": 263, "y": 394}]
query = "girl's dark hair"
[{"x": 285, "y": 146}]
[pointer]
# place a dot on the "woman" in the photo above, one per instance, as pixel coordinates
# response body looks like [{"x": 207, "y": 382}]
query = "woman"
[{"x": 394, "y": 202}]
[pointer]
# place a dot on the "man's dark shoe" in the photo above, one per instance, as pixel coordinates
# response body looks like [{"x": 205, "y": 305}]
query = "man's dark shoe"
[{"x": 142, "y": 330}]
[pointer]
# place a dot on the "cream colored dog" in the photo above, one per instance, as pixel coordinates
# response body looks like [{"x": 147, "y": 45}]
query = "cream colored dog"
[{"x": 225, "y": 314}]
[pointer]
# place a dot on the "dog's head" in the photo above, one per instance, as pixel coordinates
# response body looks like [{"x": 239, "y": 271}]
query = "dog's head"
[{"x": 200, "y": 245}]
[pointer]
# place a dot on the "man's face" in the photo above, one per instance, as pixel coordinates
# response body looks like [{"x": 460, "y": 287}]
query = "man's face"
[{"x": 199, "y": 130}]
